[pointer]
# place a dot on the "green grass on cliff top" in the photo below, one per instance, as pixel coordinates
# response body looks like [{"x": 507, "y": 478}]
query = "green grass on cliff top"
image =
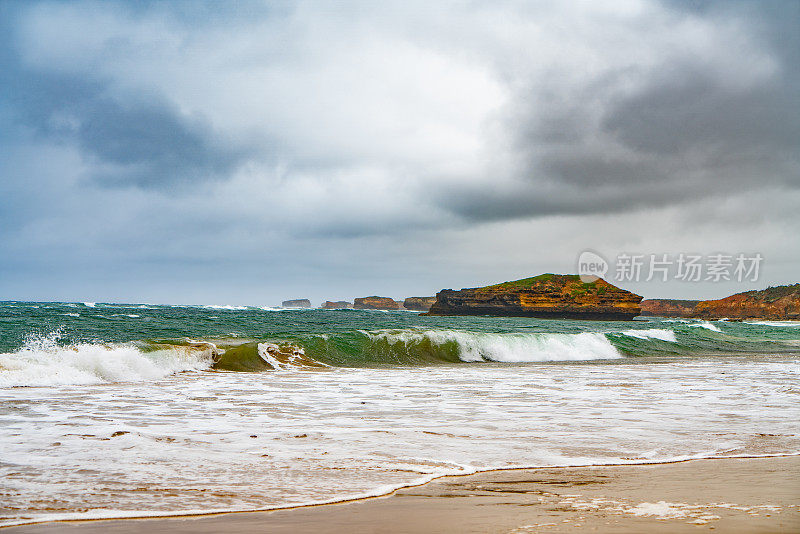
[
  {"x": 528, "y": 282},
  {"x": 774, "y": 293}
]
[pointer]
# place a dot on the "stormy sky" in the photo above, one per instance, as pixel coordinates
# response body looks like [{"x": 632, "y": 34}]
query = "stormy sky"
[{"x": 243, "y": 153}]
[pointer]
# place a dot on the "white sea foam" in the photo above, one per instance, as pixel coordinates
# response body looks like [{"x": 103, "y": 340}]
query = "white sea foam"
[
  {"x": 475, "y": 347},
  {"x": 707, "y": 326},
  {"x": 42, "y": 362},
  {"x": 90, "y": 304},
  {"x": 223, "y": 307},
  {"x": 789, "y": 324},
  {"x": 282, "y": 439},
  {"x": 651, "y": 333}
]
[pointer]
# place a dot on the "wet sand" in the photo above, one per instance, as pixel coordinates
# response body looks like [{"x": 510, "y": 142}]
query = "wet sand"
[{"x": 724, "y": 495}]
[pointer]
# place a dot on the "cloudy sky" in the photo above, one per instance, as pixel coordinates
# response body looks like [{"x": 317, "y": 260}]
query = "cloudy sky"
[{"x": 243, "y": 153}]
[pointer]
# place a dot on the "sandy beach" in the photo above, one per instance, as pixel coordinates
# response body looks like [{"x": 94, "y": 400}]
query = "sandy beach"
[{"x": 726, "y": 495}]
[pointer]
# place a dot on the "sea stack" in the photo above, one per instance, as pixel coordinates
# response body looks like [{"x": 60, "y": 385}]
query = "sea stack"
[
  {"x": 336, "y": 305},
  {"x": 547, "y": 296},
  {"x": 419, "y": 303},
  {"x": 781, "y": 303},
  {"x": 376, "y": 303},
  {"x": 296, "y": 303}
]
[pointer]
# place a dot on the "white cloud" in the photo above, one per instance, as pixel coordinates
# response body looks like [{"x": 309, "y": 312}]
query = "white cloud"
[{"x": 395, "y": 133}]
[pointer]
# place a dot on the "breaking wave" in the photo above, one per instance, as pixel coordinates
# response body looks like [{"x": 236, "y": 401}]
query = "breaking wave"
[
  {"x": 253, "y": 357},
  {"x": 49, "y": 360},
  {"x": 787, "y": 324},
  {"x": 476, "y": 347},
  {"x": 43, "y": 362},
  {"x": 652, "y": 333},
  {"x": 707, "y": 326},
  {"x": 417, "y": 346}
]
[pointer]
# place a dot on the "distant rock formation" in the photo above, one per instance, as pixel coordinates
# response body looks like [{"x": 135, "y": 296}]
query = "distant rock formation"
[
  {"x": 376, "y": 303},
  {"x": 419, "y": 303},
  {"x": 336, "y": 305},
  {"x": 547, "y": 296},
  {"x": 297, "y": 303},
  {"x": 668, "y": 307},
  {"x": 781, "y": 303}
]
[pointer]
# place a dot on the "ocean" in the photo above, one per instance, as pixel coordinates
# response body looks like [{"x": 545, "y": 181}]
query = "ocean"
[{"x": 118, "y": 410}]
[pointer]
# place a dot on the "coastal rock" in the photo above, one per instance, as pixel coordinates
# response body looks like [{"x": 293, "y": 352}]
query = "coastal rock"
[
  {"x": 297, "y": 303},
  {"x": 668, "y": 307},
  {"x": 419, "y": 303},
  {"x": 548, "y": 296},
  {"x": 376, "y": 303},
  {"x": 336, "y": 305},
  {"x": 780, "y": 302}
]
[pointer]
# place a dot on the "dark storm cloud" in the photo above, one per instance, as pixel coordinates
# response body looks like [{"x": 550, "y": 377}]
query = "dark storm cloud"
[
  {"x": 688, "y": 130},
  {"x": 690, "y": 110},
  {"x": 140, "y": 142},
  {"x": 150, "y": 145},
  {"x": 207, "y": 149}
]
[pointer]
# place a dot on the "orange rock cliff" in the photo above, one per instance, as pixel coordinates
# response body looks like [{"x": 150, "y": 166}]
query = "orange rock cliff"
[
  {"x": 549, "y": 296},
  {"x": 781, "y": 302}
]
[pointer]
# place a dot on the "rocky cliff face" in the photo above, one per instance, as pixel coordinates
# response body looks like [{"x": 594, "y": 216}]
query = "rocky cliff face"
[
  {"x": 668, "y": 307},
  {"x": 336, "y": 305},
  {"x": 419, "y": 303},
  {"x": 549, "y": 296},
  {"x": 781, "y": 303},
  {"x": 376, "y": 303},
  {"x": 297, "y": 303}
]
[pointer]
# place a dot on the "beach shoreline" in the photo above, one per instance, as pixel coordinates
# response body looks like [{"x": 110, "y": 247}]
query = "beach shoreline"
[{"x": 760, "y": 494}]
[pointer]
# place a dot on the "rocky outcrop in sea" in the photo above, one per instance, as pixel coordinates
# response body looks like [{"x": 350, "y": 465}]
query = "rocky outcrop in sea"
[
  {"x": 376, "y": 303},
  {"x": 336, "y": 305},
  {"x": 547, "y": 296},
  {"x": 296, "y": 303},
  {"x": 418, "y": 303},
  {"x": 777, "y": 303}
]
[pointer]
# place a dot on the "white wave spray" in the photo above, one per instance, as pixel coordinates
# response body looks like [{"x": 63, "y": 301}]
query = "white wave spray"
[
  {"x": 661, "y": 334},
  {"x": 43, "y": 362},
  {"x": 707, "y": 326},
  {"x": 545, "y": 347}
]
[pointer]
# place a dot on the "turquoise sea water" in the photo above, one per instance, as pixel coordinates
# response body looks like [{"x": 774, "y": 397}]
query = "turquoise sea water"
[
  {"x": 354, "y": 338},
  {"x": 114, "y": 410}
]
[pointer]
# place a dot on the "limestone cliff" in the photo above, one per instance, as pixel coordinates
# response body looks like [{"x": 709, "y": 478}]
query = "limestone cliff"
[
  {"x": 336, "y": 305},
  {"x": 418, "y": 303},
  {"x": 781, "y": 302},
  {"x": 376, "y": 303},
  {"x": 668, "y": 307},
  {"x": 549, "y": 296},
  {"x": 296, "y": 303}
]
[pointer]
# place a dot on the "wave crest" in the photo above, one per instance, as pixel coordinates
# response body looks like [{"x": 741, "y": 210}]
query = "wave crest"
[
  {"x": 43, "y": 362},
  {"x": 661, "y": 334},
  {"x": 410, "y": 347}
]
